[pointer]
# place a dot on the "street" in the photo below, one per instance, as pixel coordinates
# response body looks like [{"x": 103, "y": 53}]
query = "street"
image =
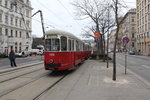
[
  {"x": 137, "y": 64},
  {"x": 90, "y": 79},
  {"x": 4, "y": 63}
]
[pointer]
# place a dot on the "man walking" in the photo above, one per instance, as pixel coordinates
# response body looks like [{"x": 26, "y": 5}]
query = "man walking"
[{"x": 12, "y": 58}]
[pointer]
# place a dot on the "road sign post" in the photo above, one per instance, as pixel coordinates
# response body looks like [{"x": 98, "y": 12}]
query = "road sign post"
[{"x": 125, "y": 42}]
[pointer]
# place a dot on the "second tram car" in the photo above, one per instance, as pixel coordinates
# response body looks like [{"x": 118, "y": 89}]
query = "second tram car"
[{"x": 63, "y": 50}]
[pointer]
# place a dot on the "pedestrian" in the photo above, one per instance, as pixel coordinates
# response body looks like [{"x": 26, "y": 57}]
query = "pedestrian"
[{"x": 12, "y": 58}]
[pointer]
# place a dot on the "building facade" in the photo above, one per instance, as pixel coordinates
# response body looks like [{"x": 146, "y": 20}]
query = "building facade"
[
  {"x": 15, "y": 25},
  {"x": 112, "y": 40},
  {"x": 128, "y": 29},
  {"x": 143, "y": 26}
]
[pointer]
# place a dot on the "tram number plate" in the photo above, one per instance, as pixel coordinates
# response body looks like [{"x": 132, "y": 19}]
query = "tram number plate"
[{"x": 51, "y": 54}]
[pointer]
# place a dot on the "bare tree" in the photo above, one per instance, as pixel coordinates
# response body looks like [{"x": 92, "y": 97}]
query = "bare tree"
[
  {"x": 115, "y": 8},
  {"x": 91, "y": 9}
]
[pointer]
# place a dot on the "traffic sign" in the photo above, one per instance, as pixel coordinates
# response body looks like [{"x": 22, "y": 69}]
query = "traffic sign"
[
  {"x": 125, "y": 40},
  {"x": 97, "y": 34}
]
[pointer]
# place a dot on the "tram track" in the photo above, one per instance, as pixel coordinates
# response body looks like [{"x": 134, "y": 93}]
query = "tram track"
[
  {"x": 13, "y": 75},
  {"x": 50, "y": 87},
  {"x": 8, "y": 71},
  {"x": 18, "y": 87},
  {"x": 22, "y": 85},
  {"x": 19, "y": 76},
  {"x": 20, "y": 72}
]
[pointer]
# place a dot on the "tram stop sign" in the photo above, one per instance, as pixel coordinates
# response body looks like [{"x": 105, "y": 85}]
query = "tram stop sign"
[{"x": 125, "y": 40}]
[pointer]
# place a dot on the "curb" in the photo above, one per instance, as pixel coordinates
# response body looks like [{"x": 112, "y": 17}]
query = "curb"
[{"x": 136, "y": 75}]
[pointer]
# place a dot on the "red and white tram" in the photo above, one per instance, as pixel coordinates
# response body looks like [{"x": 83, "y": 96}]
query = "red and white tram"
[{"x": 63, "y": 50}]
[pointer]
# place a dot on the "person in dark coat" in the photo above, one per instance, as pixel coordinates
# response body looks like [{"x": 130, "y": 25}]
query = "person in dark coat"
[{"x": 12, "y": 58}]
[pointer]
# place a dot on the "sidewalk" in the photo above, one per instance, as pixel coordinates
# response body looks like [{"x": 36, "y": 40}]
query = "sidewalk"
[{"x": 93, "y": 81}]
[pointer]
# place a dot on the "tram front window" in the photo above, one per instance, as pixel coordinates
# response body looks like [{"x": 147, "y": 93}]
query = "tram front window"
[{"x": 52, "y": 45}]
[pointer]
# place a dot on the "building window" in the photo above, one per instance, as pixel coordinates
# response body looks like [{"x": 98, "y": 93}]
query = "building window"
[
  {"x": 6, "y": 3},
  {"x": 11, "y": 20},
  {"x": 132, "y": 19},
  {"x": 0, "y": 2},
  {"x": 11, "y": 33},
  {"x": 28, "y": 23},
  {"x": 20, "y": 23},
  {"x": 6, "y": 32},
  {"x": 147, "y": 35},
  {"x": 27, "y": 13},
  {"x": 148, "y": 17},
  {"x": 132, "y": 28},
  {"x": 27, "y": 1},
  {"x": 15, "y": 8},
  {"x": 16, "y": 21},
  {"x": 11, "y": 47},
  {"x": 149, "y": 26},
  {"x": 20, "y": 35},
  {"x": 11, "y": 6},
  {"x": 132, "y": 44},
  {"x": 132, "y": 35},
  {"x": 0, "y": 31},
  {"x": 0, "y": 17},
  {"x": 16, "y": 34},
  {"x": 6, "y": 19},
  {"x": 149, "y": 7},
  {"x": 27, "y": 35},
  {"x": 15, "y": 48}
]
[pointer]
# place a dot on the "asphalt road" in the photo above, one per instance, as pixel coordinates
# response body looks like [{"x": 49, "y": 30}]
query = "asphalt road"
[
  {"x": 5, "y": 63},
  {"x": 137, "y": 64}
]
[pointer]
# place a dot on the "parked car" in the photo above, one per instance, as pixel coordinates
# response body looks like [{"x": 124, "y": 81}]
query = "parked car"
[
  {"x": 21, "y": 54},
  {"x": 131, "y": 52}
]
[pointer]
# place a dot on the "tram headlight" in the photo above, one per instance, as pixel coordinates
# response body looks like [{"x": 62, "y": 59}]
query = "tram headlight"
[{"x": 51, "y": 60}]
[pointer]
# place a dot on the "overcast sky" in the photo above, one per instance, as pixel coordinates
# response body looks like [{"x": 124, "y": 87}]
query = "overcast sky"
[{"x": 59, "y": 14}]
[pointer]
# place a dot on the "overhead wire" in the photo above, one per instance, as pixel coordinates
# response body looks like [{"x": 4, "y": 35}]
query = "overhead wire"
[
  {"x": 50, "y": 11},
  {"x": 67, "y": 11},
  {"x": 44, "y": 23}
]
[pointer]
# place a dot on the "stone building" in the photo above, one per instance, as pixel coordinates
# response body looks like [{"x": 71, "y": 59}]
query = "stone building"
[
  {"x": 143, "y": 26},
  {"x": 112, "y": 39},
  {"x": 128, "y": 29},
  {"x": 15, "y": 25}
]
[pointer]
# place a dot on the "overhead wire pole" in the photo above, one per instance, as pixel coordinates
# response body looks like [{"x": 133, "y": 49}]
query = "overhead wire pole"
[{"x": 42, "y": 21}]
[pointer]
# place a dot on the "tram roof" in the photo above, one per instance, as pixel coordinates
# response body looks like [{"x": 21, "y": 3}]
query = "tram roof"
[{"x": 60, "y": 32}]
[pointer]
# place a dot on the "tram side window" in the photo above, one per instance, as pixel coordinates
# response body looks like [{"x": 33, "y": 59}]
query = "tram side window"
[
  {"x": 83, "y": 47},
  {"x": 77, "y": 46},
  {"x": 63, "y": 43},
  {"x": 72, "y": 45},
  {"x": 69, "y": 45}
]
